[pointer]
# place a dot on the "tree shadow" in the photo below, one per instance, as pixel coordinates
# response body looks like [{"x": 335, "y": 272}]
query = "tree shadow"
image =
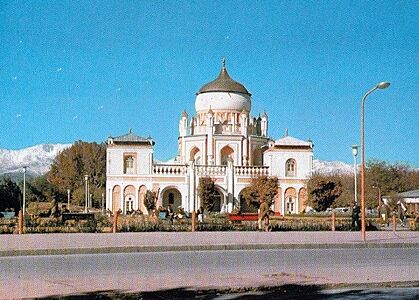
[{"x": 289, "y": 291}]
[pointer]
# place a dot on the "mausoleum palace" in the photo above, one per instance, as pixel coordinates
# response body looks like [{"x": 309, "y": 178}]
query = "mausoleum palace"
[{"x": 221, "y": 140}]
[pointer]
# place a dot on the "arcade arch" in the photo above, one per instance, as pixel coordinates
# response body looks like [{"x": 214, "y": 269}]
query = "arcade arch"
[
  {"x": 171, "y": 196},
  {"x": 290, "y": 200},
  {"x": 116, "y": 198},
  {"x": 129, "y": 198}
]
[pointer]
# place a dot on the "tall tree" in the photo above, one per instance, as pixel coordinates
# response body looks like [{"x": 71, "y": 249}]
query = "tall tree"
[
  {"x": 323, "y": 191},
  {"x": 207, "y": 192},
  {"x": 260, "y": 189},
  {"x": 68, "y": 170},
  {"x": 10, "y": 195}
]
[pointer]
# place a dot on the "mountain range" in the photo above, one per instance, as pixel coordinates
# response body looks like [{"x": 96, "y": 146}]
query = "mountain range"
[{"x": 39, "y": 158}]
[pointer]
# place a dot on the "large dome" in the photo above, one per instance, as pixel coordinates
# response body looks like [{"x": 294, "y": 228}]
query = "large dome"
[
  {"x": 224, "y": 83},
  {"x": 223, "y": 94}
]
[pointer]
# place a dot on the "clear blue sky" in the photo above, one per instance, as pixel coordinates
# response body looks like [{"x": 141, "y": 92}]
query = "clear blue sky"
[{"x": 81, "y": 70}]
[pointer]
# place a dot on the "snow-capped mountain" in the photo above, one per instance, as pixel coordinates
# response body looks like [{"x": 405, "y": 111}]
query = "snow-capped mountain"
[
  {"x": 37, "y": 158},
  {"x": 332, "y": 167}
]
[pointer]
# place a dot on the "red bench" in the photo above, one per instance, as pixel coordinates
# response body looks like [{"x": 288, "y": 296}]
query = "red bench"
[{"x": 247, "y": 216}]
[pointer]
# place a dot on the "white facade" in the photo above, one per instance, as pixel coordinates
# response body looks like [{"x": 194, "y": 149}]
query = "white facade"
[{"x": 223, "y": 141}]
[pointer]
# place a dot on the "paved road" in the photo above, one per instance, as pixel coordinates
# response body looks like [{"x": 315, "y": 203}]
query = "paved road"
[
  {"x": 36, "y": 276},
  {"x": 91, "y": 243}
]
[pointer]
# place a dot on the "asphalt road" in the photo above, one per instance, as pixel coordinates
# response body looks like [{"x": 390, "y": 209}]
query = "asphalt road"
[{"x": 37, "y": 276}]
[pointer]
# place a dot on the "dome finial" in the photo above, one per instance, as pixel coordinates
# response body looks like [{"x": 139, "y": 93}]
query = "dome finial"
[{"x": 223, "y": 62}]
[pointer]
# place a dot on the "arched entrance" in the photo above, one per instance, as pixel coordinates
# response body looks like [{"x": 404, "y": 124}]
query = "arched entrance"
[
  {"x": 116, "y": 198},
  {"x": 171, "y": 196},
  {"x": 218, "y": 200},
  {"x": 244, "y": 206},
  {"x": 290, "y": 200},
  {"x": 129, "y": 197}
]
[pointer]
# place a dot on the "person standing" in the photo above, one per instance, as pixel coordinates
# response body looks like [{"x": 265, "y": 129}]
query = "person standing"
[
  {"x": 356, "y": 210},
  {"x": 263, "y": 218},
  {"x": 201, "y": 214}
]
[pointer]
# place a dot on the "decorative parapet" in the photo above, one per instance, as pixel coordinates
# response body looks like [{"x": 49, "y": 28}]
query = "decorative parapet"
[
  {"x": 251, "y": 170},
  {"x": 202, "y": 170},
  {"x": 166, "y": 169}
]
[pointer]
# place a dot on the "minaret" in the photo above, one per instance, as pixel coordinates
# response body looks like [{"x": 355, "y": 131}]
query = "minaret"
[
  {"x": 183, "y": 124},
  {"x": 183, "y": 132},
  {"x": 264, "y": 124},
  {"x": 210, "y": 132},
  {"x": 244, "y": 121},
  {"x": 192, "y": 126}
]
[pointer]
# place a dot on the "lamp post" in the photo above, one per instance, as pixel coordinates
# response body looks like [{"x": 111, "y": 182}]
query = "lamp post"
[
  {"x": 86, "y": 195},
  {"x": 24, "y": 192},
  {"x": 68, "y": 199},
  {"x": 376, "y": 186},
  {"x": 355, "y": 153},
  {"x": 381, "y": 85}
]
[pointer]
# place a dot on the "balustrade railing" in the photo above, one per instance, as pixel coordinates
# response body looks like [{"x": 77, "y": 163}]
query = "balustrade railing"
[
  {"x": 163, "y": 169},
  {"x": 202, "y": 170},
  {"x": 251, "y": 170}
]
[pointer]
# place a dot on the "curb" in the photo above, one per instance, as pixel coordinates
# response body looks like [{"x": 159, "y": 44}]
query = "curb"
[{"x": 144, "y": 249}]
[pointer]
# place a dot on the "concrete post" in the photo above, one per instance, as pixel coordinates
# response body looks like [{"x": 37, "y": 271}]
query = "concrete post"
[
  {"x": 20, "y": 222},
  {"x": 115, "y": 221},
  {"x": 333, "y": 220},
  {"x": 193, "y": 220}
]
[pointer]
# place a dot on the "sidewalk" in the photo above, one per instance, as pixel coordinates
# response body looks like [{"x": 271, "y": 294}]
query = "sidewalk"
[{"x": 91, "y": 243}]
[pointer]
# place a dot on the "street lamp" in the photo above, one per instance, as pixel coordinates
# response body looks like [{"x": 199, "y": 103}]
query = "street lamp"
[
  {"x": 381, "y": 85},
  {"x": 24, "y": 191},
  {"x": 355, "y": 153},
  {"x": 86, "y": 194}
]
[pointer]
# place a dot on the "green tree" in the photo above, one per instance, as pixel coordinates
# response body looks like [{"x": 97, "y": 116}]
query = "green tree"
[
  {"x": 207, "y": 192},
  {"x": 10, "y": 195},
  {"x": 68, "y": 170},
  {"x": 389, "y": 179},
  {"x": 260, "y": 189},
  {"x": 323, "y": 191}
]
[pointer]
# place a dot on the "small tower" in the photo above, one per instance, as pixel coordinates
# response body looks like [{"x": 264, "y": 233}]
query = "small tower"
[
  {"x": 183, "y": 124},
  {"x": 264, "y": 124},
  {"x": 244, "y": 121},
  {"x": 210, "y": 132}
]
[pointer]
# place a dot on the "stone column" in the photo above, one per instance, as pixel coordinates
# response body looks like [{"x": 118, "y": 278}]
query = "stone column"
[
  {"x": 230, "y": 186},
  {"x": 122, "y": 206},
  {"x": 192, "y": 187}
]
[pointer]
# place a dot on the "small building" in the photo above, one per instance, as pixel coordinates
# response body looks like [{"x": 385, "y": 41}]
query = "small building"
[{"x": 221, "y": 140}]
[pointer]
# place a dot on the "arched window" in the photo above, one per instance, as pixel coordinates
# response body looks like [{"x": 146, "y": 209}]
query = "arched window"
[
  {"x": 195, "y": 156},
  {"x": 290, "y": 168},
  {"x": 226, "y": 154},
  {"x": 129, "y": 165}
]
